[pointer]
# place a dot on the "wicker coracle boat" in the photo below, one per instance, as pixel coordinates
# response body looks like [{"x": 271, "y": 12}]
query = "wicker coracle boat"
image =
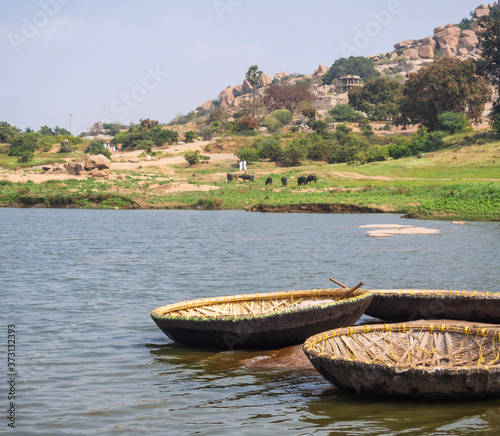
[
  {"x": 261, "y": 320},
  {"x": 419, "y": 359},
  {"x": 400, "y": 305}
]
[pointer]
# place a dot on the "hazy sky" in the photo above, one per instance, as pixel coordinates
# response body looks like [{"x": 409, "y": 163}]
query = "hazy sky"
[{"x": 121, "y": 60}]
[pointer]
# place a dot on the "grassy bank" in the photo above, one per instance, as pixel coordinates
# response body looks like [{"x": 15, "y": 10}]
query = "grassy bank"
[{"x": 460, "y": 182}]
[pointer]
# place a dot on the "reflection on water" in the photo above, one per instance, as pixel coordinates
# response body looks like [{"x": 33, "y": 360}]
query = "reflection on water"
[{"x": 80, "y": 286}]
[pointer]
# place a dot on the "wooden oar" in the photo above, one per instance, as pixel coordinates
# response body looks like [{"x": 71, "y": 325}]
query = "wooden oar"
[
  {"x": 338, "y": 283},
  {"x": 349, "y": 291}
]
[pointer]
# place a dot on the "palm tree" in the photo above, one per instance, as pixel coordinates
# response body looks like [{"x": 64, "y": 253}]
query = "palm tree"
[{"x": 253, "y": 76}]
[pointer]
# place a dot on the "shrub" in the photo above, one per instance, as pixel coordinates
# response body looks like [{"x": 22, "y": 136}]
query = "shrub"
[
  {"x": 345, "y": 113},
  {"x": 247, "y": 123},
  {"x": 495, "y": 124},
  {"x": 97, "y": 147},
  {"x": 247, "y": 153},
  {"x": 423, "y": 141},
  {"x": 283, "y": 115},
  {"x": 295, "y": 152},
  {"x": 190, "y": 136},
  {"x": 318, "y": 126},
  {"x": 194, "y": 157},
  {"x": 23, "y": 146},
  {"x": 270, "y": 148},
  {"x": 397, "y": 151},
  {"x": 453, "y": 122},
  {"x": 309, "y": 112},
  {"x": 273, "y": 124}
]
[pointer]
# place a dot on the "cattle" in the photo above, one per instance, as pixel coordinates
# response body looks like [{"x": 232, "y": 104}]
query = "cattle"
[
  {"x": 311, "y": 178},
  {"x": 245, "y": 177},
  {"x": 229, "y": 177},
  {"x": 302, "y": 180},
  {"x": 284, "y": 180},
  {"x": 269, "y": 181}
]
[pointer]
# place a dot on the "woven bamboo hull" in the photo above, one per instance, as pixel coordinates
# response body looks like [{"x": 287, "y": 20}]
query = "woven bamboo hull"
[
  {"x": 400, "y": 305},
  {"x": 273, "y": 329},
  {"x": 379, "y": 373}
]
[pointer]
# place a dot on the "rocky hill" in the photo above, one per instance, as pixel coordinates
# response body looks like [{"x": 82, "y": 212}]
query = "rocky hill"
[{"x": 408, "y": 56}]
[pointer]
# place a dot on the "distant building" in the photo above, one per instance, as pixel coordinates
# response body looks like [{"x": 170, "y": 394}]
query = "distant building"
[{"x": 348, "y": 82}]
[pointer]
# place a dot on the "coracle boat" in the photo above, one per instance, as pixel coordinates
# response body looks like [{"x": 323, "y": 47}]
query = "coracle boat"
[
  {"x": 419, "y": 359},
  {"x": 263, "y": 320},
  {"x": 400, "y": 305}
]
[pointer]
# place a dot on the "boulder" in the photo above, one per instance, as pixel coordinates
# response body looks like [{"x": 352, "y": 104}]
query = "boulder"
[
  {"x": 438, "y": 29},
  {"x": 57, "y": 170},
  {"x": 403, "y": 44},
  {"x": 265, "y": 80},
  {"x": 468, "y": 42},
  {"x": 226, "y": 97},
  {"x": 430, "y": 41},
  {"x": 462, "y": 51},
  {"x": 280, "y": 75},
  {"x": 474, "y": 25},
  {"x": 453, "y": 31},
  {"x": 321, "y": 70},
  {"x": 448, "y": 41},
  {"x": 448, "y": 52},
  {"x": 79, "y": 168},
  {"x": 448, "y": 26},
  {"x": 238, "y": 88},
  {"x": 99, "y": 173},
  {"x": 426, "y": 52},
  {"x": 246, "y": 87},
  {"x": 481, "y": 11},
  {"x": 206, "y": 106},
  {"x": 70, "y": 168},
  {"x": 410, "y": 53},
  {"x": 99, "y": 161}
]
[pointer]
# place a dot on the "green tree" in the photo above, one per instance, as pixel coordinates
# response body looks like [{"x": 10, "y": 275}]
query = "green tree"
[
  {"x": 442, "y": 86},
  {"x": 358, "y": 65},
  {"x": 490, "y": 54},
  {"x": 345, "y": 113},
  {"x": 190, "y": 136},
  {"x": 46, "y": 130},
  {"x": 453, "y": 122},
  {"x": 379, "y": 98},
  {"x": 23, "y": 146},
  {"x": 97, "y": 147},
  {"x": 253, "y": 76}
]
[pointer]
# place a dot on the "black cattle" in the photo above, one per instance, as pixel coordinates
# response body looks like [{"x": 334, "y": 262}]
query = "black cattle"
[
  {"x": 284, "y": 180},
  {"x": 302, "y": 180},
  {"x": 311, "y": 178},
  {"x": 269, "y": 181},
  {"x": 229, "y": 177},
  {"x": 245, "y": 177}
]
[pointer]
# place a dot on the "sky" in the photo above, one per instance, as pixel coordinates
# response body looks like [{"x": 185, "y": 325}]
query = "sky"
[{"x": 71, "y": 63}]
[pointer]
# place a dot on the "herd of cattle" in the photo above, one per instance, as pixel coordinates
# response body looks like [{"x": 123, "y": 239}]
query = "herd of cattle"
[{"x": 301, "y": 180}]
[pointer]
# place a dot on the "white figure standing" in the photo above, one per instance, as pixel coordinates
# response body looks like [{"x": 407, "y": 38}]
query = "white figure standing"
[
  {"x": 240, "y": 163},
  {"x": 245, "y": 165}
]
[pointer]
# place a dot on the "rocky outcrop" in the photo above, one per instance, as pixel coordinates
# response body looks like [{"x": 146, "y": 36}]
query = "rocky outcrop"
[
  {"x": 426, "y": 52},
  {"x": 104, "y": 173},
  {"x": 265, "y": 80},
  {"x": 98, "y": 161},
  {"x": 281, "y": 75},
  {"x": 321, "y": 70},
  {"x": 206, "y": 106},
  {"x": 410, "y": 53},
  {"x": 226, "y": 97},
  {"x": 74, "y": 168},
  {"x": 246, "y": 87}
]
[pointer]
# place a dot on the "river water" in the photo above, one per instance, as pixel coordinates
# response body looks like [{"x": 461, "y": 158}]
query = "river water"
[{"x": 79, "y": 286}]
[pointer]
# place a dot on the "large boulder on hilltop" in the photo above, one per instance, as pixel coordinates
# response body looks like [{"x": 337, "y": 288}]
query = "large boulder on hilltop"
[
  {"x": 438, "y": 29},
  {"x": 280, "y": 75},
  {"x": 246, "y": 87},
  {"x": 206, "y": 106},
  {"x": 98, "y": 161},
  {"x": 410, "y": 53},
  {"x": 321, "y": 70},
  {"x": 238, "y": 88},
  {"x": 430, "y": 41},
  {"x": 403, "y": 44},
  {"x": 426, "y": 52},
  {"x": 453, "y": 31},
  {"x": 226, "y": 97},
  {"x": 481, "y": 11},
  {"x": 265, "y": 80}
]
